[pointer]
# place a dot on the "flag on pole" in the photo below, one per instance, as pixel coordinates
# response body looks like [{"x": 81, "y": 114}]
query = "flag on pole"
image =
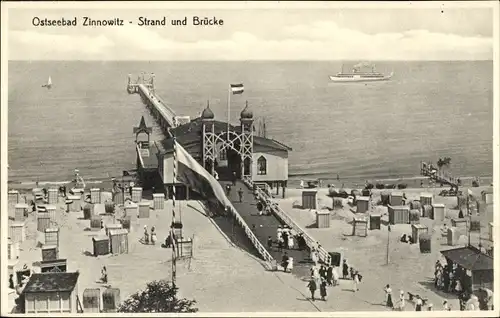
[
  {"x": 237, "y": 89},
  {"x": 191, "y": 173}
]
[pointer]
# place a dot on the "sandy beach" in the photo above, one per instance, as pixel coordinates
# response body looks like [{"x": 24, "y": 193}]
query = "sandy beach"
[{"x": 220, "y": 271}]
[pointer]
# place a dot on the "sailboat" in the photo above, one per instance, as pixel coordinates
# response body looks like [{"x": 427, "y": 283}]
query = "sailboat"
[{"x": 49, "y": 83}]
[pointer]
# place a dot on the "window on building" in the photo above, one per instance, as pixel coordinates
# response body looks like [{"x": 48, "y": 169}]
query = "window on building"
[
  {"x": 261, "y": 166},
  {"x": 223, "y": 154}
]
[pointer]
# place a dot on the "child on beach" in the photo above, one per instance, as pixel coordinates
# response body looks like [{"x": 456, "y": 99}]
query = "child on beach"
[
  {"x": 146, "y": 234},
  {"x": 153, "y": 235}
]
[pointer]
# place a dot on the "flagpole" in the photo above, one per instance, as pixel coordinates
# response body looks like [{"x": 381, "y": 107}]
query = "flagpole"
[
  {"x": 228, "y": 109},
  {"x": 174, "y": 171}
]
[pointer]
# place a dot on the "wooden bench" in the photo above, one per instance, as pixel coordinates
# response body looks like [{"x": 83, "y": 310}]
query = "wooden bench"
[{"x": 411, "y": 296}]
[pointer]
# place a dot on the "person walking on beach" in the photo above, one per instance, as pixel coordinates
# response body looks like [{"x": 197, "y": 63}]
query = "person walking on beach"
[
  {"x": 446, "y": 306},
  {"x": 388, "y": 296},
  {"x": 329, "y": 275},
  {"x": 285, "y": 238},
  {"x": 312, "y": 287},
  {"x": 402, "y": 302},
  {"x": 290, "y": 240},
  {"x": 240, "y": 194},
  {"x": 418, "y": 303},
  {"x": 269, "y": 242},
  {"x": 345, "y": 269},
  {"x": 234, "y": 178},
  {"x": 322, "y": 290},
  {"x": 355, "y": 282},
  {"x": 104, "y": 275},
  {"x": 284, "y": 261}
]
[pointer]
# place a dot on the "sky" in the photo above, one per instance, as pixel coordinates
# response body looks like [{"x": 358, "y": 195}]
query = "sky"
[{"x": 407, "y": 33}]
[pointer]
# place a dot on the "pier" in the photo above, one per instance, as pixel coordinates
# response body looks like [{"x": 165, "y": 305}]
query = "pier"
[
  {"x": 437, "y": 175},
  {"x": 236, "y": 144}
]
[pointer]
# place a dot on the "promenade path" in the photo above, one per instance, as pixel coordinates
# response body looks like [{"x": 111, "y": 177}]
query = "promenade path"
[{"x": 264, "y": 226}]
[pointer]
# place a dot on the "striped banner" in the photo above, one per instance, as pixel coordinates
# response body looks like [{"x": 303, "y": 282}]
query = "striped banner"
[
  {"x": 237, "y": 88},
  {"x": 174, "y": 180}
]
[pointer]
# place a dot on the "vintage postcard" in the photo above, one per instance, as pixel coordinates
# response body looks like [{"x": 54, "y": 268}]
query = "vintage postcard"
[{"x": 250, "y": 158}]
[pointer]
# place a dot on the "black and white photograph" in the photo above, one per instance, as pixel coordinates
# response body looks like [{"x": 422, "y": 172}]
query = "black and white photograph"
[{"x": 250, "y": 158}]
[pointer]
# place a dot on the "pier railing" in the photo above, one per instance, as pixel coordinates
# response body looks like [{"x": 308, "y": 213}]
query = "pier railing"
[
  {"x": 276, "y": 209},
  {"x": 166, "y": 112},
  {"x": 260, "y": 248},
  {"x": 436, "y": 174}
]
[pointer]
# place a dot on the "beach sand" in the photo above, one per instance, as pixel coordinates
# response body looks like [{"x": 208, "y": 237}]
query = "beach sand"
[{"x": 221, "y": 277}]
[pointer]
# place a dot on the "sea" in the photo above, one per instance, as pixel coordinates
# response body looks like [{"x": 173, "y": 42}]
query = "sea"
[{"x": 354, "y": 131}]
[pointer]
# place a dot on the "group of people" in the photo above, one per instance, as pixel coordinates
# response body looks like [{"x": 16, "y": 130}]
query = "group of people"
[
  {"x": 285, "y": 238},
  {"x": 149, "y": 236},
  {"x": 407, "y": 239},
  {"x": 240, "y": 191},
  {"x": 348, "y": 272},
  {"x": 448, "y": 278}
]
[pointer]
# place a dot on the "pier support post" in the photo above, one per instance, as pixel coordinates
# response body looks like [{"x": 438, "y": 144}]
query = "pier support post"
[
  {"x": 277, "y": 187},
  {"x": 284, "y": 188}
]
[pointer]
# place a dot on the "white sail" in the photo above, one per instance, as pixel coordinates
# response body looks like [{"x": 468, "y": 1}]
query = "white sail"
[{"x": 49, "y": 83}]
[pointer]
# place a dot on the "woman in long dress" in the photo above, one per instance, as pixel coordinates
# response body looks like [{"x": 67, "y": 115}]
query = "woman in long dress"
[
  {"x": 388, "y": 296},
  {"x": 290, "y": 240},
  {"x": 402, "y": 302},
  {"x": 355, "y": 282}
]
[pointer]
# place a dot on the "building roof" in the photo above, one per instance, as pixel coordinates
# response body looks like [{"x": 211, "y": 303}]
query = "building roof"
[
  {"x": 51, "y": 282},
  {"x": 469, "y": 258},
  {"x": 191, "y": 133},
  {"x": 143, "y": 128}
]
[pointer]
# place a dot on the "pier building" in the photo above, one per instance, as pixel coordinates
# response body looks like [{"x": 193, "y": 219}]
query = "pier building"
[{"x": 226, "y": 151}]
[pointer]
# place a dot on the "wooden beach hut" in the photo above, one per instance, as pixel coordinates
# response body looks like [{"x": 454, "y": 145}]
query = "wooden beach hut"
[
  {"x": 396, "y": 198},
  {"x": 113, "y": 226},
  {"x": 158, "y": 201},
  {"x": 452, "y": 236},
  {"x": 110, "y": 299},
  {"x": 399, "y": 214},
  {"x": 118, "y": 241},
  {"x": 51, "y": 293},
  {"x": 375, "y": 221},
  {"x": 414, "y": 216},
  {"x": 52, "y": 236},
  {"x": 309, "y": 199},
  {"x": 21, "y": 210},
  {"x": 426, "y": 198},
  {"x": 460, "y": 224},
  {"x": 131, "y": 210},
  {"x": 144, "y": 210},
  {"x": 17, "y": 232},
  {"x": 487, "y": 195},
  {"x": 53, "y": 196},
  {"x": 91, "y": 300},
  {"x": 76, "y": 204},
  {"x": 88, "y": 211},
  {"x": 95, "y": 195},
  {"x": 51, "y": 210},
  {"x": 101, "y": 245},
  {"x": 12, "y": 249},
  {"x": 426, "y": 211},
  {"x": 362, "y": 204},
  {"x": 359, "y": 227},
  {"x": 50, "y": 252},
  {"x": 54, "y": 266},
  {"x": 13, "y": 197},
  {"x": 118, "y": 198},
  {"x": 385, "y": 197},
  {"x": 323, "y": 219},
  {"x": 95, "y": 222},
  {"x": 438, "y": 212},
  {"x": 136, "y": 194},
  {"x": 417, "y": 230}
]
